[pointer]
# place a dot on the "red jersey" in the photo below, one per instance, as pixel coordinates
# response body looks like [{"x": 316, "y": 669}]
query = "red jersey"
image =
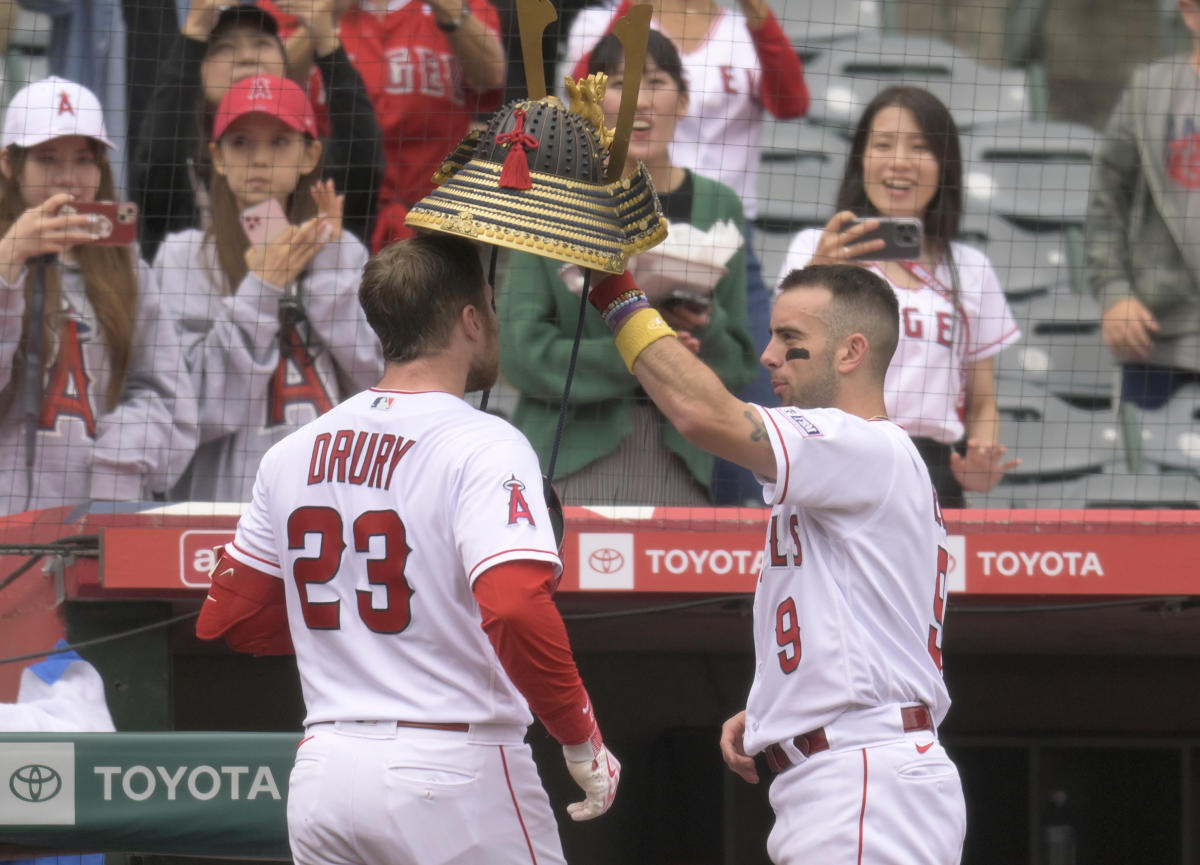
[{"x": 423, "y": 105}]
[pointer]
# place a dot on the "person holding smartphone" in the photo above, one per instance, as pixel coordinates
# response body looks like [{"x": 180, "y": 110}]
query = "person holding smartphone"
[
  {"x": 618, "y": 448},
  {"x": 94, "y": 403},
  {"x": 905, "y": 162},
  {"x": 274, "y": 332}
]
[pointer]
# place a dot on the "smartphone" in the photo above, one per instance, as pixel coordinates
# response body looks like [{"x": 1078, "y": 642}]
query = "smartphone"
[
  {"x": 693, "y": 301},
  {"x": 902, "y": 237},
  {"x": 117, "y": 221},
  {"x": 263, "y": 221}
]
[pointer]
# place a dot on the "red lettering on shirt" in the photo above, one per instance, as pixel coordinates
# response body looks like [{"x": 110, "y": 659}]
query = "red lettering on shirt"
[
  {"x": 309, "y": 389},
  {"x": 67, "y": 390},
  {"x": 912, "y": 326}
]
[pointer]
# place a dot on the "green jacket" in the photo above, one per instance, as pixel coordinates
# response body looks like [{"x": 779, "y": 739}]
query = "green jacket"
[
  {"x": 538, "y": 315},
  {"x": 1135, "y": 234}
]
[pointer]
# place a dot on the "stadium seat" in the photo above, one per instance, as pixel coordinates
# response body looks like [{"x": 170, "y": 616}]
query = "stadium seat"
[
  {"x": 1036, "y": 174},
  {"x": 812, "y": 24},
  {"x": 1061, "y": 349},
  {"x": 1028, "y": 264},
  {"x": 1170, "y": 436},
  {"x": 1055, "y": 441},
  {"x": 798, "y": 175},
  {"x": 845, "y": 78},
  {"x": 1123, "y": 490}
]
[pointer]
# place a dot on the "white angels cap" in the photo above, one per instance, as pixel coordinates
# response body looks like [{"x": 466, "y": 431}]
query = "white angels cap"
[{"x": 51, "y": 108}]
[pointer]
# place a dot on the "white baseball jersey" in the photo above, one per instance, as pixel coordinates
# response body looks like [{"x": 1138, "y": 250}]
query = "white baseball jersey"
[
  {"x": 379, "y": 516},
  {"x": 848, "y": 610},
  {"x": 720, "y": 135},
  {"x": 926, "y": 388}
]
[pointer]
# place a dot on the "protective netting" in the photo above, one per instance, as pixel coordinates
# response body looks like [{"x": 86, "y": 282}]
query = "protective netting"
[{"x": 1074, "y": 203}]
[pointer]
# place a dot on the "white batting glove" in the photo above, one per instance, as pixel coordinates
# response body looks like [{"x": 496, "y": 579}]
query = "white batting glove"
[{"x": 597, "y": 773}]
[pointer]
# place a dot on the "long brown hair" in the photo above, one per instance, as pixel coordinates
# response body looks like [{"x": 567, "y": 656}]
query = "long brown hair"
[
  {"x": 225, "y": 227},
  {"x": 109, "y": 279}
]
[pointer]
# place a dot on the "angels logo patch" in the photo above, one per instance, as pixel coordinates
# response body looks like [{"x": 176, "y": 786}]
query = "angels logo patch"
[
  {"x": 518, "y": 508},
  {"x": 806, "y": 426}
]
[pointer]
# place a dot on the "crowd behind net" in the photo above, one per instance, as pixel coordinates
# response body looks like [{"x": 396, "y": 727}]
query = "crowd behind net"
[{"x": 1031, "y": 85}]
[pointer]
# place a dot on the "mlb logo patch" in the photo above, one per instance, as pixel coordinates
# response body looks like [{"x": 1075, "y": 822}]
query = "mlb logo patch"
[
  {"x": 801, "y": 421},
  {"x": 383, "y": 403}
]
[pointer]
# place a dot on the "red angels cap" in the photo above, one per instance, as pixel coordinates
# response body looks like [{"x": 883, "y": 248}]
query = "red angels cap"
[
  {"x": 277, "y": 97},
  {"x": 52, "y": 108}
]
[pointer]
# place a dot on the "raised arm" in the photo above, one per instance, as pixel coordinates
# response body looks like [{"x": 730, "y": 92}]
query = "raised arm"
[{"x": 681, "y": 385}]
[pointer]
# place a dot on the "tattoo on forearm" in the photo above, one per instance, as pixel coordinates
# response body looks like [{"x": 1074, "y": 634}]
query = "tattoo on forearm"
[{"x": 760, "y": 432}]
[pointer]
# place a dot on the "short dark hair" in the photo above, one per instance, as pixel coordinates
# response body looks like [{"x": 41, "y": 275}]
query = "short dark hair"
[
  {"x": 862, "y": 303},
  {"x": 414, "y": 290},
  {"x": 609, "y": 57},
  {"x": 944, "y": 211}
]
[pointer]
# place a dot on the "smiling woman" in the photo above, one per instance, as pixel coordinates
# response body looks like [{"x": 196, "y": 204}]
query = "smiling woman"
[
  {"x": 905, "y": 161},
  {"x": 618, "y": 448}
]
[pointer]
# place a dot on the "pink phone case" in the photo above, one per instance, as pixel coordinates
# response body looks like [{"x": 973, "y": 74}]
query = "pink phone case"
[{"x": 263, "y": 221}]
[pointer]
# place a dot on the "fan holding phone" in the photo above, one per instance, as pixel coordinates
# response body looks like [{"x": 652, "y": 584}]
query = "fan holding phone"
[
  {"x": 275, "y": 333},
  {"x": 898, "y": 214},
  {"x": 93, "y": 402}
]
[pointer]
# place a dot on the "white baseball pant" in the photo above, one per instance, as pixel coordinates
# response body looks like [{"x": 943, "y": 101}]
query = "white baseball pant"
[
  {"x": 373, "y": 793},
  {"x": 893, "y": 802}
]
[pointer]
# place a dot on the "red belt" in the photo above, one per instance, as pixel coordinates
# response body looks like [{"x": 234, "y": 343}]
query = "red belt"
[
  {"x": 422, "y": 725},
  {"x": 815, "y": 741}
]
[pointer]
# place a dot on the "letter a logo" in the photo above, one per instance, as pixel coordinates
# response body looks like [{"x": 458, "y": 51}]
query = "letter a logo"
[
  {"x": 260, "y": 89},
  {"x": 64, "y": 104},
  {"x": 518, "y": 508}
]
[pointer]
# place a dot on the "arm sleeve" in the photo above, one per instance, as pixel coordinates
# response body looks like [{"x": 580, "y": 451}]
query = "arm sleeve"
[
  {"x": 159, "y": 180},
  {"x": 233, "y": 349},
  {"x": 248, "y": 608},
  {"x": 12, "y": 322},
  {"x": 330, "y": 295},
  {"x": 152, "y": 433},
  {"x": 819, "y": 453},
  {"x": 355, "y": 157},
  {"x": 530, "y": 639},
  {"x": 992, "y": 324},
  {"x": 538, "y": 314},
  {"x": 784, "y": 91},
  {"x": 1116, "y": 170},
  {"x": 799, "y": 253}
]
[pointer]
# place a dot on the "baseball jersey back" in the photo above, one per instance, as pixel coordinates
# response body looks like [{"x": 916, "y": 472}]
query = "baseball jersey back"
[
  {"x": 849, "y": 607},
  {"x": 378, "y": 516}
]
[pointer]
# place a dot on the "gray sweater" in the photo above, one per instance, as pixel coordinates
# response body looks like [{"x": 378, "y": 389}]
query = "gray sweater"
[
  {"x": 1135, "y": 234},
  {"x": 251, "y": 396},
  {"x": 83, "y": 451}
]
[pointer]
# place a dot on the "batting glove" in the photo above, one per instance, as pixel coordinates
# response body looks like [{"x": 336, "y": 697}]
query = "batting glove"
[{"x": 597, "y": 773}]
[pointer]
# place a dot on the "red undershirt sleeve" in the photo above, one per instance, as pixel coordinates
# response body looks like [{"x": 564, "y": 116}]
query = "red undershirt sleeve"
[
  {"x": 528, "y": 634},
  {"x": 247, "y": 608},
  {"x": 784, "y": 92}
]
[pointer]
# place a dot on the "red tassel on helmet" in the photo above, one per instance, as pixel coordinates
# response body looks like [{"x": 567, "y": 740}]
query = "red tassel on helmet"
[{"x": 515, "y": 174}]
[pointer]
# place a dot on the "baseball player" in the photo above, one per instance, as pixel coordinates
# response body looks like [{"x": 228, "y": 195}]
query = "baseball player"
[
  {"x": 849, "y": 608},
  {"x": 402, "y": 545}
]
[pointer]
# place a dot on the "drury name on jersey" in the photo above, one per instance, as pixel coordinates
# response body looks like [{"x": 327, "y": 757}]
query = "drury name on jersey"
[{"x": 357, "y": 457}]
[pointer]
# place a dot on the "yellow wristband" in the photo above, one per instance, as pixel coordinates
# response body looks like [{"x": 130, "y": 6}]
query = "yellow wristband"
[{"x": 639, "y": 330}]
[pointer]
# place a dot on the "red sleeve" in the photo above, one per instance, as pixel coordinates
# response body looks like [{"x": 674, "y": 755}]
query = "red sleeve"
[
  {"x": 247, "y": 608},
  {"x": 580, "y": 70},
  {"x": 784, "y": 92},
  {"x": 529, "y": 637}
]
